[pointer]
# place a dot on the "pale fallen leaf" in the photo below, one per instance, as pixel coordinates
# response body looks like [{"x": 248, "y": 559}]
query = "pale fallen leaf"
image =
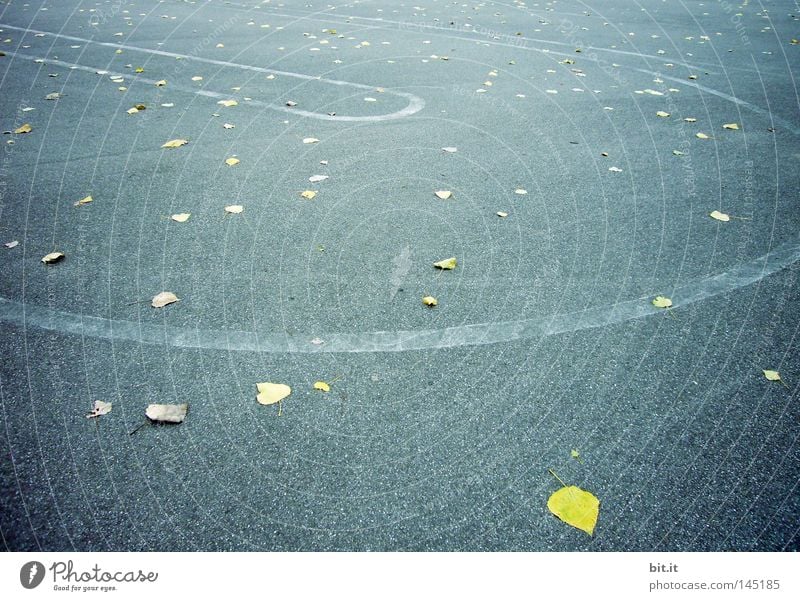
[
  {"x": 317, "y": 178},
  {"x": 174, "y": 143},
  {"x": 181, "y": 217},
  {"x": 228, "y": 125},
  {"x": 173, "y": 414},
  {"x": 132, "y": 111},
  {"x": 25, "y": 128},
  {"x": 662, "y": 114},
  {"x": 83, "y": 201},
  {"x": 162, "y": 299},
  {"x": 731, "y": 126},
  {"x": 291, "y": 103},
  {"x": 54, "y": 257},
  {"x": 429, "y": 301},
  {"x": 310, "y": 140},
  {"x": 308, "y": 194},
  {"x": 443, "y": 194},
  {"x": 577, "y": 507},
  {"x": 53, "y": 96},
  {"x": 234, "y": 209},
  {"x": 230, "y": 162},
  {"x": 446, "y": 263},
  {"x": 99, "y": 408},
  {"x": 701, "y": 135},
  {"x": 229, "y": 102},
  {"x": 161, "y": 82},
  {"x": 575, "y": 454},
  {"x": 662, "y": 302},
  {"x": 450, "y": 149},
  {"x": 323, "y": 386},
  {"x": 690, "y": 119},
  {"x": 615, "y": 169},
  {"x": 520, "y": 191},
  {"x": 270, "y": 393},
  {"x": 11, "y": 244},
  {"x": 719, "y": 216},
  {"x": 678, "y": 153},
  {"x": 772, "y": 375},
  {"x": 197, "y": 78},
  {"x": 502, "y": 214}
]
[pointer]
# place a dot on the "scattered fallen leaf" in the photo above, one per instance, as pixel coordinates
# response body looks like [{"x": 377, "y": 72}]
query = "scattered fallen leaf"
[
  {"x": 577, "y": 507},
  {"x": 615, "y": 169},
  {"x": 181, "y": 217},
  {"x": 83, "y": 201},
  {"x": 662, "y": 114},
  {"x": 690, "y": 119},
  {"x": 308, "y": 194},
  {"x": 701, "y": 135},
  {"x": 678, "y": 153},
  {"x": 772, "y": 375},
  {"x": 230, "y": 102},
  {"x": 443, "y": 194},
  {"x": 310, "y": 140},
  {"x": 197, "y": 78},
  {"x": 269, "y": 393},
  {"x": 162, "y": 299},
  {"x": 53, "y": 96},
  {"x": 323, "y": 386},
  {"x": 173, "y": 414},
  {"x": 132, "y": 111},
  {"x": 174, "y": 143},
  {"x": 429, "y": 301},
  {"x": 719, "y": 216},
  {"x": 25, "y": 128},
  {"x": 317, "y": 178},
  {"x": 520, "y": 191},
  {"x": 575, "y": 454},
  {"x": 228, "y": 125},
  {"x": 52, "y": 257},
  {"x": 11, "y": 244},
  {"x": 99, "y": 408},
  {"x": 662, "y": 302},
  {"x": 161, "y": 82},
  {"x": 730, "y": 126},
  {"x": 446, "y": 263},
  {"x": 450, "y": 149},
  {"x": 234, "y": 209},
  {"x": 291, "y": 103},
  {"x": 231, "y": 161},
  {"x": 139, "y": 70}
]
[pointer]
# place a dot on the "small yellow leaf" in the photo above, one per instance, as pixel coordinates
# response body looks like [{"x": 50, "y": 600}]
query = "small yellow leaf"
[
  {"x": 323, "y": 386},
  {"x": 719, "y": 216},
  {"x": 429, "y": 301},
  {"x": 228, "y": 102},
  {"x": 443, "y": 194},
  {"x": 701, "y": 135},
  {"x": 162, "y": 299},
  {"x": 174, "y": 143},
  {"x": 181, "y": 217},
  {"x": 161, "y": 82},
  {"x": 308, "y": 194},
  {"x": 231, "y": 161},
  {"x": 731, "y": 126},
  {"x": 83, "y": 201},
  {"x": 577, "y": 507},
  {"x": 52, "y": 257},
  {"x": 772, "y": 375},
  {"x": 173, "y": 414},
  {"x": 234, "y": 209},
  {"x": 269, "y": 393},
  {"x": 99, "y": 408},
  {"x": 575, "y": 454},
  {"x": 139, "y": 70},
  {"x": 25, "y": 128},
  {"x": 662, "y": 302},
  {"x": 446, "y": 263},
  {"x": 662, "y": 114}
]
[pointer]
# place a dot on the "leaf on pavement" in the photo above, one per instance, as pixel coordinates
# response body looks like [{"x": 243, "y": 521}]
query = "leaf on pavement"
[
  {"x": 172, "y": 414},
  {"x": 323, "y": 386},
  {"x": 83, "y": 201},
  {"x": 234, "y": 209},
  {"x": 229, "y": 102},
  {"x": 446, "y": 263},
  {"x": 181, "y": 217},
  {"x": 443, "y": 194},
  {"x": 429, "y": 301},
  {"x": 270, "y": 393},
  {"x": 310, "y": 140},
  {"x": 232, "y": 161},
  {"x": 25, "y": 128},
  {"x": 162, "y": 299},
  {"x": 662, "y": 114},
  {"x": 100, "y": 408},
  {"x": 577, "y": 507},
  {"x": 662, "y": 302},
  {"x": 772, "y": 375},
  {"x": 317, "y": 178},
  {"x": 730, "y": 126},
  {"x": 308, "y": 194},
  {"x": 719, "y": 216},
  {"x": 174, "y": 143},
  {"x": 54, "y": 257}
]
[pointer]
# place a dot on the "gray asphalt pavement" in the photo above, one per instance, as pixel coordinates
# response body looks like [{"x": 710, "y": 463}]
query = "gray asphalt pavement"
[{"x": 606, "y": 132}]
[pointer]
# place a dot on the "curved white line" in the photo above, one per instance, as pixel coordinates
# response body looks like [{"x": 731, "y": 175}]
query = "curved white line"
[
  {"x": 402, "y": 340},
  {"x": 415, "y": 103}
]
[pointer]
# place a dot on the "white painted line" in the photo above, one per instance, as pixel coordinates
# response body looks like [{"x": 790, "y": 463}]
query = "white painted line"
[
  {"x": 404, "y": 340},
  {"x": 415, "y": 103}
]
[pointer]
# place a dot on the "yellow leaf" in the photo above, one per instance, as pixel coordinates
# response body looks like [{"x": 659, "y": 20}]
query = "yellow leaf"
[
  {"x": 443, "y": 194},
  {"x": 772, "y": 375},
  {"x": 99, "y": 408},
  {"x": 174, "y": 143},
  {"x": 702, "y": 136},
  {"x": 234, "y": 209},
  {"x": 231, "y": 161},
  {"x": 662, "y": 114},
  {"x": 577, "y": 507},
  {"x": 719, "y": 216},
  {"x": 173, "y": 414},
  {"x": 429, "y": 301},
  {"x": 181, "y": 217},
  {"x": 575, "y": 454},
  {"x": 269, "y": 393},
  {"x": 161, "y": 82},
  {"x": 662, "y": 302},
  {"x": 323, "y": 386},
  {"x": 446, "y": 263},
  {"x": 139, "y": 70},
  {"x": 83, "y": 201},
  {"x": 163, "y": 299},
  {"x": 308, "y": 194},
  {"x": 228, "y": 102},
  {"x": 731, "y": 126},
  {"x": 52, "y": 257},
  {"x": 25, "y": 128}
]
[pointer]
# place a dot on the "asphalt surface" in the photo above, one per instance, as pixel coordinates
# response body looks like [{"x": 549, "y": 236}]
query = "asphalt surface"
[{"x": 441, "y": 423}]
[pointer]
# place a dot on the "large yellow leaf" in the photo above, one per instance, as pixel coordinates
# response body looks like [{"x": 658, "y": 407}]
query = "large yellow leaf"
[
  {"x": 25, "y": 128},
  {"x": 577, "y": 507},
  {"x": 446, "y": 263},
  {"x": 270, "y": 393}
]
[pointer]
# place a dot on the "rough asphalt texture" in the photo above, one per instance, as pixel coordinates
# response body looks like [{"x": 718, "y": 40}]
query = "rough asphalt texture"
[{"x": 443, "y": 443}]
